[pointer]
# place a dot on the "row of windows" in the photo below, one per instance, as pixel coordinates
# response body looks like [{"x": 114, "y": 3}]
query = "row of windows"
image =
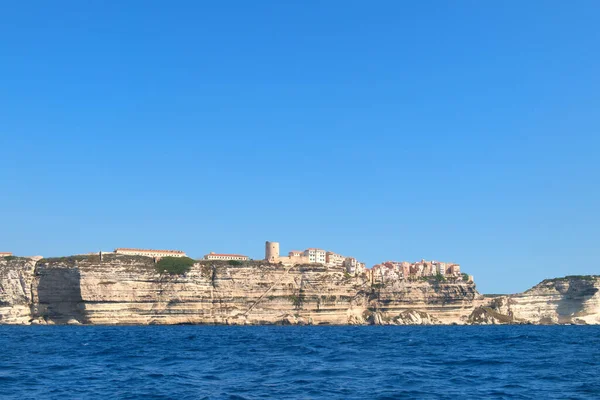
[
  {"x": 152, "y": 254},
  {"x": 226, "y": 258}
]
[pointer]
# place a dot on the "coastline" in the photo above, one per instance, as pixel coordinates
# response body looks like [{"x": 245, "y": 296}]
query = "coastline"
[{"x": 128, "y": 291}]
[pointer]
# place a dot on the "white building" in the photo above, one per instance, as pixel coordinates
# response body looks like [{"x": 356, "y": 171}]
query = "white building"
[
  {"x": 335, "y": 259},
  {"x": 215, "y": 256},
  {"x": 150, "y": 253},
  {"x": 316, "y": 255},
  {"x": 5, "y": 254},
  {"x": 441, "y": 269},
  {"x": 353, "y": 266}
]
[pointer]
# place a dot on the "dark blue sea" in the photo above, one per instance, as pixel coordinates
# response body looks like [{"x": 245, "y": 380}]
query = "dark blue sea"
[{"x": 282, "y": 362}]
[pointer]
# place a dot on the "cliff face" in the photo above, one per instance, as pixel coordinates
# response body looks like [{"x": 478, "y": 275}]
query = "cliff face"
[
  {"x": 425, "y": 302},
  {"x": 16, "y": 277},
  {"x": 128, "y": 290},
  {"x": 569, "y": 300}
]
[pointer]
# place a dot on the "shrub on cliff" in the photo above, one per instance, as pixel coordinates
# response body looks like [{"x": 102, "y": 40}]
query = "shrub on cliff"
[
  {"x": 174, "y": 265},
  {"x": 297, "y": 300}
]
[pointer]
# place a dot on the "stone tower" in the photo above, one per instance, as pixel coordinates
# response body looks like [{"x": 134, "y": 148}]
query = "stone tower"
[{"x": 272, "y": 251}]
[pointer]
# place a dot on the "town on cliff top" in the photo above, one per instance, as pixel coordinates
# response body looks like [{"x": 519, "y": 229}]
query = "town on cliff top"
[{"x": 381, "y": 272}]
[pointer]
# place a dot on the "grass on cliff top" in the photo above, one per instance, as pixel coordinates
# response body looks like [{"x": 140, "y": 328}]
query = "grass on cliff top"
[
  {"x": 93, "y": 261},
  {"x": 12, "y": 258},
  {"x": 70, "y": 260},
  {"x": 570, "y": 277},
  {"x": 174, "y": 265}
]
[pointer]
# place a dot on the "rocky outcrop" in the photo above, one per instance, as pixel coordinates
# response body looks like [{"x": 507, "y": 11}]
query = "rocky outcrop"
[
  {"x": 122, "y": 289},
  {"x": 443, "y": 301},
  {"x": 413, "y": 317},
  {"x": 568, "y": 300},
  {"x": 16, "y": 277},
  {"x": 489, "y": 316}
]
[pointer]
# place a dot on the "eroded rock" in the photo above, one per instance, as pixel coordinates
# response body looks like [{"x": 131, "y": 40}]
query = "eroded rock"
[{"x": 128, "y": 290}]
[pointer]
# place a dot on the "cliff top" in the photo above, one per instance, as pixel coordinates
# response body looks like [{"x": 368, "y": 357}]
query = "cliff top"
[
  {"x": 582, "y": 284},
  {"x": 571, "y": 278}
]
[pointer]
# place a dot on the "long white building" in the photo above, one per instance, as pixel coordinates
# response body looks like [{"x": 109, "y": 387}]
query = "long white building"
[
  {"x": 150, "y": 252},
  {"x": 225, "y": 257}
]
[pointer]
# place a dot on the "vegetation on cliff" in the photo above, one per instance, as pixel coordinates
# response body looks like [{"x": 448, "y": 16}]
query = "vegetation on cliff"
[
  {"x": 571, "y": 277},
  {"x": 174, "y": 265},
  {"x": 69, "y": 261},
  {"x": 434, "y": 278}
]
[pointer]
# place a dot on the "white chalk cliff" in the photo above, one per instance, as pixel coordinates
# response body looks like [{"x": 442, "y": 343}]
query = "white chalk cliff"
[{"x": 128, "y": 290}]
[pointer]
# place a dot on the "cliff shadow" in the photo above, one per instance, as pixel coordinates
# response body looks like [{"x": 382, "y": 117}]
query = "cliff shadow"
[
  {"x": 59, "y": 295},
  {"x": 573, "y": 300}
]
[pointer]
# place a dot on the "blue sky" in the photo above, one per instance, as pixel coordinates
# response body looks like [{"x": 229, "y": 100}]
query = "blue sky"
[{"x": 457, "y": 131}]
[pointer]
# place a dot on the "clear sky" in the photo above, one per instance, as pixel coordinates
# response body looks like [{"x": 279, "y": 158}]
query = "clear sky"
[{"x": 462, "y": 131}]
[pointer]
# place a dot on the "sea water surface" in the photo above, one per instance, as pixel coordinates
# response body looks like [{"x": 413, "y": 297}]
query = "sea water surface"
[{"x": 309, "y": 362}]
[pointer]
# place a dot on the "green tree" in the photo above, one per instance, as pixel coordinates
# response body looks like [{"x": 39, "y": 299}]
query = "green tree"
[{"x": 174, "y": 265}]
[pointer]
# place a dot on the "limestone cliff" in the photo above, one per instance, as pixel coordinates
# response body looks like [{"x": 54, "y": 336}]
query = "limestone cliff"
[
  {"x": 16, "y": 277},
  {"x": 429, "y": 301},
  {"x": 122, "y": 289},
  {"x": 128, "y": 290},
  {"x": 568, "y": 300}
]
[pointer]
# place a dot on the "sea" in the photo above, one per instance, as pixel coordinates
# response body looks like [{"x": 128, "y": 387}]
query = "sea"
[{"x": 299, "y": 362}]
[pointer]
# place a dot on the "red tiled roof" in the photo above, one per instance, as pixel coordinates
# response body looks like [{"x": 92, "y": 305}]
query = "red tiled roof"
[{"x": 5, "y": 252}]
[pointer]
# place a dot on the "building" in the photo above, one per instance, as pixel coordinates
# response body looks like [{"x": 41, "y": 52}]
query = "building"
[
  {"x": 453, "y": 269},
  {"x": 309, "y": 256},
  {"x": 423, "y": 268},
  {"x": 5, "y": 254},
  {"x": 381, "y": 273},
  {"x": 316, "y": 255},
  {"x": 334, "y": 259},
  {"x": 272, "y": 252},
  {"x": 353, "y": 266},
  {"x": 294, "y": 257},
  {"x": 428, "y": 268},
  {"x": 405, "y": 268},
  {"x": 215, "y": 256},
  {"x": 439, "y": 268},
  {"x": 150, "y": 252}
]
